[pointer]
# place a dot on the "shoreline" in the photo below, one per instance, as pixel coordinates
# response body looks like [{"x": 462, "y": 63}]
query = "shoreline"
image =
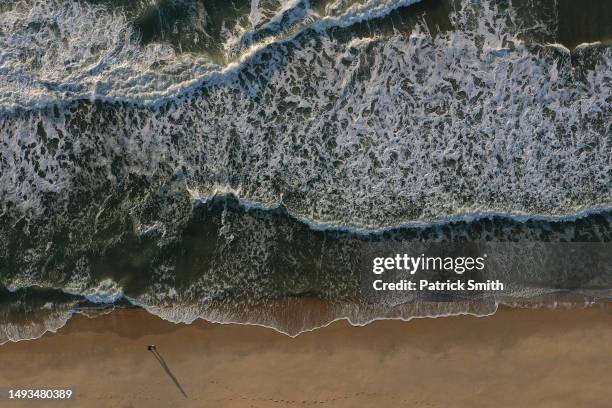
[
  {"x": 553, "y": 357},
  {"x": 316, "y": 314},
  {"x": 280, "y": 316}
]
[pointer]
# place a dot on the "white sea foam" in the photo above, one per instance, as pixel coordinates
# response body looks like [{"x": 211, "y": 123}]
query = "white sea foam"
[
  {"x": 106, "y": 291},
  {"x": 370, "y": 133},
  {"x": 13, "y": 332},
  {"x": 299, "y": 323},
  {"x": 80, "y": 50}
]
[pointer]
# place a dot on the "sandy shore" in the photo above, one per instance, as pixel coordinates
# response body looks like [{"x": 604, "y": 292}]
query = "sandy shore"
[{"x": 517, "y": 358}]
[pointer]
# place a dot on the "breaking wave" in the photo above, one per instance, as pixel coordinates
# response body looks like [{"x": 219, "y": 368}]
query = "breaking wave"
[
  {"x": 184, "y": 156},
  {"x": 261, "y": 266}
]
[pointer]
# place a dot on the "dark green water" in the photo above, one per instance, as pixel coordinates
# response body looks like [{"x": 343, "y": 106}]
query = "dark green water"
[{"x": 210, "y": 159}]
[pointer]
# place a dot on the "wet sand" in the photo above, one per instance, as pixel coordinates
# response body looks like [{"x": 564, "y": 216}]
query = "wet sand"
[{"x": 517, "y": 358}]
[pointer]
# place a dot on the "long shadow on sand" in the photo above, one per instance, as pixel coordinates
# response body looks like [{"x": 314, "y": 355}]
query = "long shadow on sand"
[{"x": 162, "y": 362}]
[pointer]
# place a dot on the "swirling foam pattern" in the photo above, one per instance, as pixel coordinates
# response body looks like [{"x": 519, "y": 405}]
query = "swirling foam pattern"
[{"x": 117, "y": 119}]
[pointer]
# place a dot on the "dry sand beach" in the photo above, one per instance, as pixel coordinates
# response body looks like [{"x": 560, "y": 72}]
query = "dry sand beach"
[{"x": 516, "y": 358}]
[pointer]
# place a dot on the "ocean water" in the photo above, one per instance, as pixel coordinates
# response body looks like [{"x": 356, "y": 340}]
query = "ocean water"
[{"x": 223, "y": 160}]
